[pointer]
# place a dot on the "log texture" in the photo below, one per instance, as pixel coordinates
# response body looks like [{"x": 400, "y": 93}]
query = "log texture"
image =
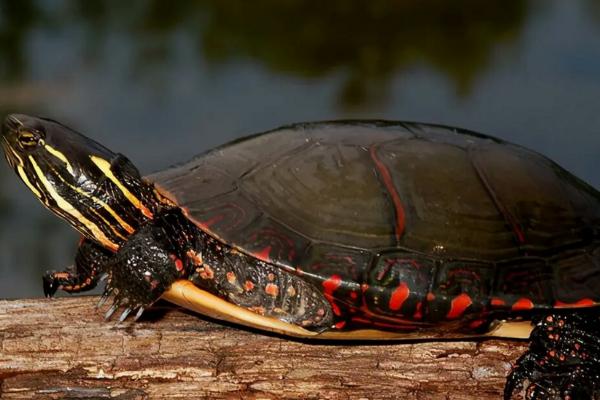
[{"x": 62, "y": 348}]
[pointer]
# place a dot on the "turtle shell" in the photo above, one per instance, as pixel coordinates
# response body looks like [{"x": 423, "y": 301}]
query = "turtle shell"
[{"x": 401, "y": 223}]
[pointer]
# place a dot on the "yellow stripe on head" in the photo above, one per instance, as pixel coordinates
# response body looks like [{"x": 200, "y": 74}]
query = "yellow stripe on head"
[
  {"x": 60, "y": 156},
  {"x": 69, "y": 209},
  {"x": 104, "y": 166}
]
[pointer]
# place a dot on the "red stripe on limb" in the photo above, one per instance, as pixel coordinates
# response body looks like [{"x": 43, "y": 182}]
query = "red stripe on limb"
[
  {"x": 330, "y": 286},
  {"x": 386, "y": 177}
]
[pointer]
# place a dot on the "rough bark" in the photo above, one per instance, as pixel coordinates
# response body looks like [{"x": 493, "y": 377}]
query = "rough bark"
[{"x": 64, "y": 349}]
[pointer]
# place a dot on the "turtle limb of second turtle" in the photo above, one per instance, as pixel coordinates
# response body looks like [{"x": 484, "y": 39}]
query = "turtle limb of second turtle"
[
  {"x": 83, "y": 275},
  {"x": 563, "y": 360}
]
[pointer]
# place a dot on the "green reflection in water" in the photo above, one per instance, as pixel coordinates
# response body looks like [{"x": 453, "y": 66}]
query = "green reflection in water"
[
  {"x": 369, "y": 42},
  {"x": 16, "y": 20}
]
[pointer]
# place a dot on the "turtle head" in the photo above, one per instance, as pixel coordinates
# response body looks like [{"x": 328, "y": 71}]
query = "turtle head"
[{"x": 97, "y": 191}]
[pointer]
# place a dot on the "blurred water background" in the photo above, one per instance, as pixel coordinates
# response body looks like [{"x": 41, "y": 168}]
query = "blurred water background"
[{"x": 163, "y": 80}]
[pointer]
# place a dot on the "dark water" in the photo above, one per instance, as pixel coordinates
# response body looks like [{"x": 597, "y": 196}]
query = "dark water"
[{"x": 163, "y": 80}]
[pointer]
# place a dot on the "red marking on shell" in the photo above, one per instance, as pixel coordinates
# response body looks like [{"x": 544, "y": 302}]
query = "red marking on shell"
[
  {"x": 272, "y": 289},
  {"x": 497, "y": 302},
  {"x": 458, "y": 305},
  {"x": 399, "y": 296},
  {"x": 340, "y": 325},
  {"x": 330, "y": 286},
  {"x": 419, "y": 311},
  {"x": 248, "y": 286},
  {"x": 522, "y": 304},
  {"x": 508, "y": 216},
  {"x": 386, "y": 177},
  {"x": 579, "y": 303},
  {"x": 476, "y": 324},
  {"x": 263, "y": 254},
  {"x": 430, "y": 296},
  {"x": 353, "y": 295},
  {"x": 211, "y": 222},
  {"x": 364, "y": 287}
]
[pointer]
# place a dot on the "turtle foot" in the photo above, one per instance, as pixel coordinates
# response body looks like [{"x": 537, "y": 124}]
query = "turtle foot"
[
  {"x": 140, "y": 272},
  {"x": 563, "y": 360}
]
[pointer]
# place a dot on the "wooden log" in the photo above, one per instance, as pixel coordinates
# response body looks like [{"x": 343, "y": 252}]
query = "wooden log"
[{"x": 63, "y": 348}]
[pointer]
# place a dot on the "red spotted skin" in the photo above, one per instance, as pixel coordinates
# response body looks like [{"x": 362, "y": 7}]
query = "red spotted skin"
[{"x": 401, "y": 226}]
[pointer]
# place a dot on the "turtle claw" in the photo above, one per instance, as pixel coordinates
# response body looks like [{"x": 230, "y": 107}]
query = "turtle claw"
[
  {"x": 125, "y": 313},
  {"x": 105, "y": 296},
  {"x": 139, "y": 313},
  {"x": 111, "y": 311}
]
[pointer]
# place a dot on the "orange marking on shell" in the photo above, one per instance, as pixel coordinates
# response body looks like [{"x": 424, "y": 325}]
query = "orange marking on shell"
[
  {"x": 522, "y": 304},
  {"x": 399, "y": 296},
  {"x": 581, "y": 303},
  {"x": 430, "y": 296},
  {"x": 458, "y": 305},
  {"x": 248, "y": 286},
  {"x": 263, "y": 254},
  {"x": 272, "y": 289},
  {"x": 497, "y": 302}
]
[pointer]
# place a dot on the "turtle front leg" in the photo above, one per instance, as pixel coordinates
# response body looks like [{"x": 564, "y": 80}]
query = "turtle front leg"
[
  {"x": 563, "y": 360},
  {"x": 89, "y": 264},
  {"x": 142, "y": 270}
]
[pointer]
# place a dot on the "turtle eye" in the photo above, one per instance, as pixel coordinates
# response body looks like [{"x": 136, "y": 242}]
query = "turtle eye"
[{"x": 29, "y": 139}]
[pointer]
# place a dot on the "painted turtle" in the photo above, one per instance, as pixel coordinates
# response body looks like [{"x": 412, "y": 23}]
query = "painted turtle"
[{"x": 350, "y": 229}]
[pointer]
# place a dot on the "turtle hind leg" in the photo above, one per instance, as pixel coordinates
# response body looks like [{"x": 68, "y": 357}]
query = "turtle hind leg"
[
  {"x": 563, "y": 360},
  {"x": 90, "y": 261}
]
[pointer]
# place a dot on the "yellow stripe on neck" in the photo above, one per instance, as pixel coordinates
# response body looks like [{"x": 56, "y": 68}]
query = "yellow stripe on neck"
[
  {"x": 104, "y": 166},
  {"x": 25, "y": 180},
  {"x": 112, "y": 212},
  {"x": 68, "y": 208}
]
